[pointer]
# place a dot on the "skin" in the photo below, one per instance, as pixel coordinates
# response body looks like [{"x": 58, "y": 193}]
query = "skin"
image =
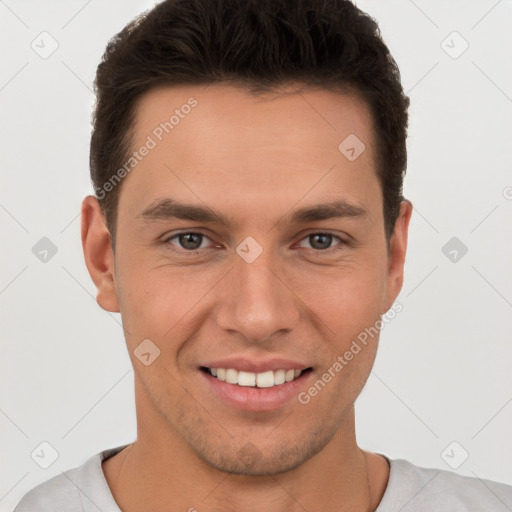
[{"x": 254, "y": 160}]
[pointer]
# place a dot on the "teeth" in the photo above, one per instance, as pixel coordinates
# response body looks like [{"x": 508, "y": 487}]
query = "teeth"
[
  {"x": 279, "y": 377},
  {"x": 261, "y": 380},
  {"x": 231, "y": 376},
  {"x": 265, "y": 379},
  {"x": 246, "y": 379}
]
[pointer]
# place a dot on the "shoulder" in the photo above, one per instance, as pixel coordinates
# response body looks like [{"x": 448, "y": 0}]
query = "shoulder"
[
  {"x": 75, "y": 490},
  {"x": 59, "y": 491},
  {"x": 412, "y": 487}
]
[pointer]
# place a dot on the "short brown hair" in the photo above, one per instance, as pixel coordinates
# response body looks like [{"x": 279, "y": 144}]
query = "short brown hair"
[{"x": 255, "y": 44}]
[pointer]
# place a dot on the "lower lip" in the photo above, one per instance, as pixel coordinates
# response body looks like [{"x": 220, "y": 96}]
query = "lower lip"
[{"x": 253, "y": 398}]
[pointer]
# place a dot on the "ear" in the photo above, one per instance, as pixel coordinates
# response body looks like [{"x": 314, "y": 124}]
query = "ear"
[
  {"x": 98, "y": 253},
  {"x": 397, "y": 250}
]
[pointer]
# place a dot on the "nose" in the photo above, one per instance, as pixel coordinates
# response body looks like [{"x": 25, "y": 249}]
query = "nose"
[{"x": 257, "y": 302}]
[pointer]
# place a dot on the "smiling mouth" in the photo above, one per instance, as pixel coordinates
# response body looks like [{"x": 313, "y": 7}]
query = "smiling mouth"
[{"x": 266, "y": 379}]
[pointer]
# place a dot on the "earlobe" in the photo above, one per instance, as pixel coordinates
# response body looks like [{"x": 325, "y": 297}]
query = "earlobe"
[
  {"x": 98, "y": 253},
  {"x": 397, "y": 252}
]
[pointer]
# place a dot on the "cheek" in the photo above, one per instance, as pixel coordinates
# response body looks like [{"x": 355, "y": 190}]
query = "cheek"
[
  {"x": 347, "y": 312},
  {"x": 157, "y": 302},
  {"x": 345, "y": 300}
]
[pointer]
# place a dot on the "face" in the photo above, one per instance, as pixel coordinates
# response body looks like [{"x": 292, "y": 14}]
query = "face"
[{"x": 247, "y": 241}]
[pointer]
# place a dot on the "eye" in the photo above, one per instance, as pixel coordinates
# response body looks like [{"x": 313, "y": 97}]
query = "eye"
[
  {"x": 189, "y": 241},
  {"x": 321, "y": 241}
]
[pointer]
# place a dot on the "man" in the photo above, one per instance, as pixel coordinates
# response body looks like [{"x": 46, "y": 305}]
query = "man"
[{"x": 249, "y": 225}]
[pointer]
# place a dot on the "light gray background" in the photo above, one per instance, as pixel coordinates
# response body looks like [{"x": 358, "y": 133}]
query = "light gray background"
[{"x": 443, "y": 368}]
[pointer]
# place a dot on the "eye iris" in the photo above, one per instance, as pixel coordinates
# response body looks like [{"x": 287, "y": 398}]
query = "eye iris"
[
  {"x": 324, "y": 240},
  {"x": 190, "y": 240}
]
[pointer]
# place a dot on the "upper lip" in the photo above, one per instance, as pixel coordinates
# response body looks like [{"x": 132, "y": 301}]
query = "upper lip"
[{"x": 257, "y": 366}]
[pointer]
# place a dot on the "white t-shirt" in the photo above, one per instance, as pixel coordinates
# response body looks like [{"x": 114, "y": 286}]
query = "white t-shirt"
[{"x": 410, "y": 488}]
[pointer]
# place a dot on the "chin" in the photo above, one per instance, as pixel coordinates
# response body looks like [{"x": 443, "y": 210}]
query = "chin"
[{"x": 258, "y": 458}]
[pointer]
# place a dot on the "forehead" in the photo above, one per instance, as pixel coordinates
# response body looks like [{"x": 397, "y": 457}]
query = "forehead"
[
  {"x": 223, "y": 112},
  {"x": 225, "y": 144}
]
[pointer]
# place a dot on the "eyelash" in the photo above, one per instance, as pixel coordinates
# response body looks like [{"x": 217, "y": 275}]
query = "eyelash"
[{"x": 342, "y": 243}]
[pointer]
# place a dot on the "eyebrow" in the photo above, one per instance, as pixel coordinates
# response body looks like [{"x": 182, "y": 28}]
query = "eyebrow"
[
  {"x": 165, "y": 209},
  {"x": 335, "y": 209}
]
